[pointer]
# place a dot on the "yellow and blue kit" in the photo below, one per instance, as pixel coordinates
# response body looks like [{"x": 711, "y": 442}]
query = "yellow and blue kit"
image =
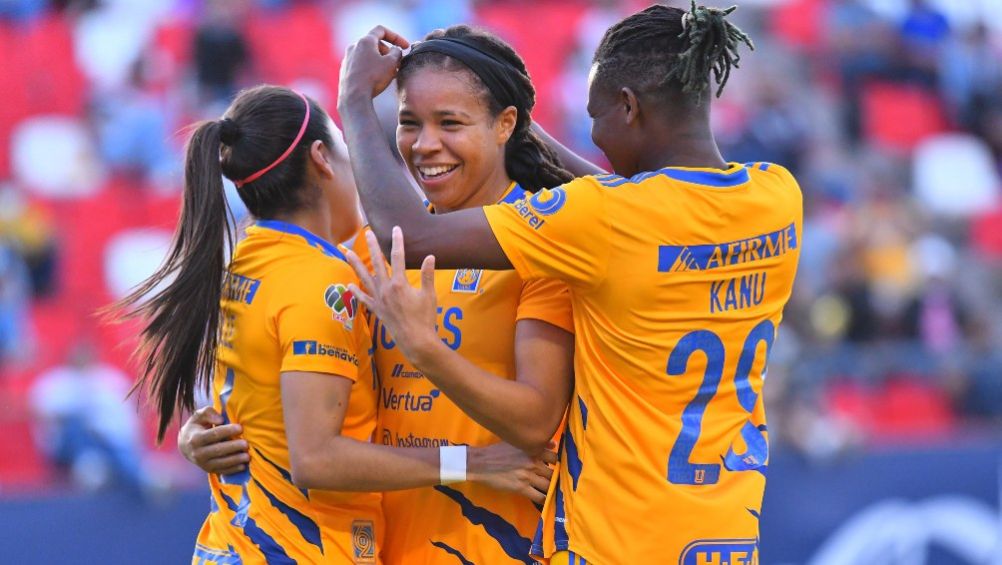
[
  {"x": 464, "y": 522},
  {"x": 285, "y": 307},
  {"x": 678, "y": 278}
]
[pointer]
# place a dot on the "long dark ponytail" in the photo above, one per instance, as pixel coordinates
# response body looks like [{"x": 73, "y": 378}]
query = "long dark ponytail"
[
  {"x": 528, "y": 160},
  {"x": 178, "y": 343}
]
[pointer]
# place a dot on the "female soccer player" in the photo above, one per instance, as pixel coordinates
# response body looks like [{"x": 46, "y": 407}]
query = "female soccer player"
[
  {"x": 465, "y": 102},
  {"x": 678, "y": 266},
  {"x": 284, "y": 340}
]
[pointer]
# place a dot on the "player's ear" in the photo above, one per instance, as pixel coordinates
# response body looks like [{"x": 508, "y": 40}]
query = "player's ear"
[
  {"x": 630, "y": 105},
  {"x": 320, "y": 159},
  {"x": 504, "y": 124}
]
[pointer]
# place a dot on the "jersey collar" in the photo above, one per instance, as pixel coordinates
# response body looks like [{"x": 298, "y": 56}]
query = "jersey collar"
[
  {"x": 513, "y": 193},
  {"x": 312, "y": 239}
]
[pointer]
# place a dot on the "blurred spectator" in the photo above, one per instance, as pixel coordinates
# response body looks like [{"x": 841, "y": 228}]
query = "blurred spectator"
[
  {"x": 863, "y": 49},
  {"x": 85, "y": 425},
  {"x": 21, "y": 10},
  {"x": 935, "y": 317},
  {"x": 776, "y": 129},
  {"x": 971, "y": 71},
  {"x": 133, "y": 126},
  {"x": 30, "y": 231},
  {"x": 924, "y": 32},
  {"x": 221, "y": 51},
  {"x": 16, "y": 335}
]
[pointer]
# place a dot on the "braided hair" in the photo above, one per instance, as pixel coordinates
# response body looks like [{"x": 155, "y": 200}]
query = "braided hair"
[
  {"x": 528, "y": 160},
  {"x": 662, "y": 50}
]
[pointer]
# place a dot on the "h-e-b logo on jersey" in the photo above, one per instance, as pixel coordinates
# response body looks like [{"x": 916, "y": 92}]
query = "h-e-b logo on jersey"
[{"x": 342, "y": 303}]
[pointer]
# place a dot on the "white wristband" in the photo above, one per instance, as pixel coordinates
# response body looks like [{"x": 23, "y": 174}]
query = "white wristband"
[{"x": 451, "y": 464}]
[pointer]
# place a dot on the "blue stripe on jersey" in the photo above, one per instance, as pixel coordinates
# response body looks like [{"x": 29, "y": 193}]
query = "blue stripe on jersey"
[
  {"x": 240, "y": 477},
  {"x": 307, "y": 527},
  {"x": 573, "y": 460},
  {"x": 285, "y": 474},
  {"x": 452, "y": 551},
  {"x": 320, "y": 243},
  {"x": 719, "y": 179},
  {"x": 507, "y": 536},
  {"x": 560, "y": 539},
  {"x": 274, "y": 554},
  {"x": 584, "y": 413},
  {"x": 709, "y": 178},
  {"x": 215, "y": 556},
  {"x": 612, "y": 181},
  {"x": 517, "y": 193},
  {"x": 537, "y": 539},
  {"x": 213, "y": 505},
  {"x": 764, "y": 166},
  {"x": 680, "y": 258}
]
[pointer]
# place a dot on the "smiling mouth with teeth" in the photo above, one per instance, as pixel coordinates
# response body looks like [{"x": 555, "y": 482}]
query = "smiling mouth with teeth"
[{"x": 434, "y": 172}]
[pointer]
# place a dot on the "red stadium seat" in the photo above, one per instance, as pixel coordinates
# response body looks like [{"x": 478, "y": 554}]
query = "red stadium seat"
[
  {"x": 899, "y": 116},
  {"x": 523, "y": 25},
  {"x": 304, "y": 35}
]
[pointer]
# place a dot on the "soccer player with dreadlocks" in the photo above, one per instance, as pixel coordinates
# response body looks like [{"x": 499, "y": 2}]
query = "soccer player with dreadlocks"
[{"x": 679, "y": 266}]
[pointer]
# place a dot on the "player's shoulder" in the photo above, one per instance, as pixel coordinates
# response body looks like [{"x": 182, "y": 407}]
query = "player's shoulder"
[
  {"x": 310, "y": 268},
  {"x": 773, "y": 171}
]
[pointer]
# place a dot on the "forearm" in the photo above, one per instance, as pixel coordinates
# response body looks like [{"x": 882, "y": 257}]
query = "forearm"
[
  {"x": 387, "y": 197},
  {"x": 350, "y": 465},
  {"x": 512, "y": 410},
  {"x": 346, "y": 464},
  {"x": 576, "y": 164}
]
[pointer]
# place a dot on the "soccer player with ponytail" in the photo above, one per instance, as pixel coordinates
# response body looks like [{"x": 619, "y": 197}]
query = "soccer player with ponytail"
[
  {"x": 679, "y": 265},
  {"x": 284, "y": 345},
  {"x": 464, "y": 133}
]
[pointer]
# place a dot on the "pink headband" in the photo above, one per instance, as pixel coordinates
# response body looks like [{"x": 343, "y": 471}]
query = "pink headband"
[{"x": 295, "y": 142}]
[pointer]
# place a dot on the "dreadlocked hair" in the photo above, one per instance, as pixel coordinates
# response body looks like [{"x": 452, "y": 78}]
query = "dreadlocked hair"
[{"x": 663, "y": 49}]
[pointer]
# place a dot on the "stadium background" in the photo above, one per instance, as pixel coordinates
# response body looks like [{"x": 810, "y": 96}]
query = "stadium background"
[{"x": 885, "y": 388}]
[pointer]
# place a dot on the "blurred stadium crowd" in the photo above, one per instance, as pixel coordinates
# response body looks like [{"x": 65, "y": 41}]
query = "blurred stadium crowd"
[{"x": 888, "y": 111}]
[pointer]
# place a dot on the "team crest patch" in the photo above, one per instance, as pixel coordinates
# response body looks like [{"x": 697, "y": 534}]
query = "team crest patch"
[
  {"x": 342, "y": 303},
  {"x": 467, "y": 280},
  {"x": 722, "y": 551},
  {"x": 363, "y": 542}
]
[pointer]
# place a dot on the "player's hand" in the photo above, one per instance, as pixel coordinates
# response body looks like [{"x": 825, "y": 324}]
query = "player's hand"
[
  {"x": 370, "y": 64},
  {"x": 211, "y": 445},
  {"x": 408, "y": 313},
  {"x": 506, "y": 468}
]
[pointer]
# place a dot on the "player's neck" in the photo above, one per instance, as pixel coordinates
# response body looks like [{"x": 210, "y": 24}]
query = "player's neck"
[
  {"x": 686, "y": 140},
  {"x": 694, "y": 148},
  {"x": 315, "y": 220},
  {"x": 490, "y": 192}
]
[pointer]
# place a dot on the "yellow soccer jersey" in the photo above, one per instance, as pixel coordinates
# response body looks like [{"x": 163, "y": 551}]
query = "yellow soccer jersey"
[
  {"x": 678, "y": 280},
  {"x": 285, "y": 308},
  {"x": 460, "y": 523}
]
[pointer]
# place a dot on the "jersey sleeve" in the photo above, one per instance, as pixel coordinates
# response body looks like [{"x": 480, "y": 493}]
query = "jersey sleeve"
[
  {"x": 548, "y": 300},
  {"x": 561, "y": 233},
  {"x": 318, "y": 323}
]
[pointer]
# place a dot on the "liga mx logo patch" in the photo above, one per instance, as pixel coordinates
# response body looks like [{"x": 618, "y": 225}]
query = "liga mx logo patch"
[
  {"x": 467, "y": 280},
  {"x": 342, "y": 303},
  {"x": 363, "y": 542}
]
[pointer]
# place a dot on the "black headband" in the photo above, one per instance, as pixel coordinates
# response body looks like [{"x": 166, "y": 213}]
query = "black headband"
[{"x": 495, "y": 73}]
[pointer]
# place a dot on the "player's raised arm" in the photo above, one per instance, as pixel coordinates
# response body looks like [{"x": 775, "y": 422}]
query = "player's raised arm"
[{"x": 459, "y": 239}]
